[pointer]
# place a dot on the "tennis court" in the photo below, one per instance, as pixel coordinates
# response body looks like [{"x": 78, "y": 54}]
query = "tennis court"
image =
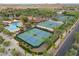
[
  {"x": 50, "y": 24},
  {"x": 64, "y": 17},
  {"x": 35, "y": 37}
]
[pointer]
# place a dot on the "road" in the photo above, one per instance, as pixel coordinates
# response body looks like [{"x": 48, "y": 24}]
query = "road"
[{"x": 65, "y": 45}]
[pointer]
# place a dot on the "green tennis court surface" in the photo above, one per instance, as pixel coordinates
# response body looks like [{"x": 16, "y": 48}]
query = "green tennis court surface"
[
  {"x": 34, "y": 37},
  {"x": 50, "y": 24}
]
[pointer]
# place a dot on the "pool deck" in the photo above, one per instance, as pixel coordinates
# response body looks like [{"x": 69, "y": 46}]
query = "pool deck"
[
  {"x": 12, "y": 27},
  {"x": 13, "y": 30}
]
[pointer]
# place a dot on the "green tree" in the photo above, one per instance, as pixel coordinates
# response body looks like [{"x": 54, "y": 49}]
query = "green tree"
[
  {"x": 7, "y": 32},
  {"x": 15, "y": 52},
  {"x": 1, "y": 27},
  {"x": 55, "y": 19},
  {"x": 2, "y": 49},
  {"x": 6, "y": 18},
  {"x": 1, "y": 39},
  {"x": 6, "y": 43},
  {"x": 23, "y": 18},
  {"x": 64, "y": 12},
  {"x": 77, "y": 37},
  {"x": 71, "y": 52}
]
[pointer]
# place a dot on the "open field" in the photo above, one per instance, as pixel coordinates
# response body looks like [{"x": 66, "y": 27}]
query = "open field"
[{"x": 24, "y": 6}]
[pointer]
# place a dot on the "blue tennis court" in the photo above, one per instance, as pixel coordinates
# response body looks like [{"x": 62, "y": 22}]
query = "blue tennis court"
[
  {"x": 35, "y": 37},
  {"x": 50, "y": 24},
  {"x": 63, "y": 18}
]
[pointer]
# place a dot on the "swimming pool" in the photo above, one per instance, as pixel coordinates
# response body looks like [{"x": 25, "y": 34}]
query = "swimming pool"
[
  {"x": 35, "y": 37},
  {"x": 13, "y": 26},
  {"x": 50, "y": 24}
]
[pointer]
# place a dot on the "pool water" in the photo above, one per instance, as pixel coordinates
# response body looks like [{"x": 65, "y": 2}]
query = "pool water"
[
  {"x": 13, "y": 26},
  {"x": 50, "y": 24},
  {"x": 35, "y": 37}
]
